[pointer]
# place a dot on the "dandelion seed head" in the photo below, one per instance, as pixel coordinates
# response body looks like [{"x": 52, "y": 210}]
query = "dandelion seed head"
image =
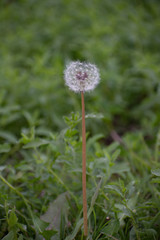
[{"x": 81, "y": 76}]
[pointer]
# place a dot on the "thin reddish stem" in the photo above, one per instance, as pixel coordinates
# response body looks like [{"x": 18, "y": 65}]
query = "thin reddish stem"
[{"x": 84, "y": 167}]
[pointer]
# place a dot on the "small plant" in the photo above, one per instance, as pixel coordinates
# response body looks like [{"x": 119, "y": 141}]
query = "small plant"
[{"x": 82, "y": 77}]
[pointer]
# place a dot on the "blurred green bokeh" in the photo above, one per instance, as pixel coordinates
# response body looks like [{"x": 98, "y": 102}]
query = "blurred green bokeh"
[{"x": 38, "y": 38}]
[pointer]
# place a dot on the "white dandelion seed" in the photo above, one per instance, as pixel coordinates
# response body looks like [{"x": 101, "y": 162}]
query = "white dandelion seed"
[{"x": 81, "y": 76}]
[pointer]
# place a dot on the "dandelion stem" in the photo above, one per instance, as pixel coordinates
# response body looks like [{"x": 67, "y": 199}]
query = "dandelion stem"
[{"x": 84, "y": 167}]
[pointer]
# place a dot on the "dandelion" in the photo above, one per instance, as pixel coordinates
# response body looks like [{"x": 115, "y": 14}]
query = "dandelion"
[{"x": 82, "y": 77}]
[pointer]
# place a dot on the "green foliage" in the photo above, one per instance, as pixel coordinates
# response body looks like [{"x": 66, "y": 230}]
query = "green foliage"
[
  {"x": 123, "y": 190},
  {"x": 40, "y": 149}
]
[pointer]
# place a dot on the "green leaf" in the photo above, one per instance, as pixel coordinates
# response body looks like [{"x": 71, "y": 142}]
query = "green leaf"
[
  {"x": 115, "y": 189},
  {"x": 12, "y": 219},
  {"x": 76, "y": 229},
  {"x": 29, "y": 117},
  {"x": 112, "y": 147},
  {"x": 9, "y": 236},
  {"x": 8, "y": 109},
  {"x": 2, "y": 168},
  {"x": 93, "y": 200},
  {"x": 155, "y": 180},
  {"x": 36, "y": 143},
  {"x": 8, "y": 136},
  {"x": 39, "y": 224},
  {"x": 22, "y": 226},
  {"x": 94, "y": 115},
  {"x": 94, "y": 139},
  {"x": 55, "y": 210},
  {"x": 70, "y": 132},
  {"x": 5, "y": 148},
  {"x": 112, "y": 227},
  {"x": 20, "y": 237},
  {"x": 150, "y": 232},
  {"x": 47, "y": 234},
  {"x": 132, "y": 234},
  {"x": 115, "y": 155},
  {"x": 120, "y": 168},
  {"x": 156, "y": 172}
]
